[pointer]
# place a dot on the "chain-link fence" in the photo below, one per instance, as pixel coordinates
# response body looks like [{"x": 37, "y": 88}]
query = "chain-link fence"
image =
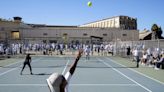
[{"x": 120, "y": 47}]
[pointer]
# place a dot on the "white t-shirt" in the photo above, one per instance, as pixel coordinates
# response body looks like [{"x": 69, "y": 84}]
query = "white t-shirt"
[
  {"x": 135, "y": 52},
  {"x": 87, "y": 51},
  {"x": 67, "y": 77},
  {"x": 145, "y": 56}
]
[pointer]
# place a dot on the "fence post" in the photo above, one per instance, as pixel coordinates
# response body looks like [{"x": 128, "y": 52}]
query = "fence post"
[{"x": 158, "y": 43}]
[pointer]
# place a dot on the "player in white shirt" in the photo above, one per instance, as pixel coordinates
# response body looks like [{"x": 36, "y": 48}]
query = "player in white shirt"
[
  {"x": 136, "y": 56},
  {"x": 87, "y": 52},
  {"x": 58, "y": 82}
]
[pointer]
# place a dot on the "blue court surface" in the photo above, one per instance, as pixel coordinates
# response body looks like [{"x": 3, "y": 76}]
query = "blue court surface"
[{"x": 99, "y": 74}]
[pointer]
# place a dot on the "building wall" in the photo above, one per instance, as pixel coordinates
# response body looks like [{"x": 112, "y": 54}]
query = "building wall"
[
  {"x": 108, "y": 29},
  {"x": 122, "y": 22},
  {"x": 6, "y": 27},
  {"x": 128, "y": 22},
  {"x": 81, "y": 34}
]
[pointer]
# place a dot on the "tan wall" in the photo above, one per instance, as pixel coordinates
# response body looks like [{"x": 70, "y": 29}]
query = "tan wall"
[
  {"x": 28, "y": 33},
  {"x": 77, "y": 34},
  {"x": 8, "y": 24},
  {"x": 110, "y": 23}
]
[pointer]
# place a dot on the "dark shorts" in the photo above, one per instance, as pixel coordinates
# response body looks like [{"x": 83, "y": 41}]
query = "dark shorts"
[
  {"x": 137, "y": 58},
  {"x": 26, "y": 63}
]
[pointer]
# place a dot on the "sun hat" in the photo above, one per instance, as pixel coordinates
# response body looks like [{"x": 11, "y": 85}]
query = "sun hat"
[{"x": 54, "y": 82}]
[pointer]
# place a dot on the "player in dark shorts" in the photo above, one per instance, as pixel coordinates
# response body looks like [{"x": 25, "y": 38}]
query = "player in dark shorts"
[{"x": 27, "y": 62}]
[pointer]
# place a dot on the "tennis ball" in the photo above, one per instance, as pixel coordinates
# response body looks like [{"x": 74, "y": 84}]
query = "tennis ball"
[{"x": 89, "y": 3}]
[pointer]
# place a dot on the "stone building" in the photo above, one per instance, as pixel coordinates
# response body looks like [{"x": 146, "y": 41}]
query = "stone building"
[
  {"x": 17, "y": 31},
  {"x": 122, "y": 22}
]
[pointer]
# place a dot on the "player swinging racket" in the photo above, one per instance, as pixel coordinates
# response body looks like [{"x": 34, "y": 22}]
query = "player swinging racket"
[
  {"x": 58, "y": 82},
  {"x": 27, "y": 62}
]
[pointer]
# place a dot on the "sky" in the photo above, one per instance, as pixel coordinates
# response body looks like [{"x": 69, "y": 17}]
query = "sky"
[{"x": 76, "y": 12}]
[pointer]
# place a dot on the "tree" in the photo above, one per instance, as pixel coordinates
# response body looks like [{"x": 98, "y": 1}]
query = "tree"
[
  {"x": 159, "y": 33},
  {"x": 156, "y": 32},
  {"x": 154, "y": 27}
]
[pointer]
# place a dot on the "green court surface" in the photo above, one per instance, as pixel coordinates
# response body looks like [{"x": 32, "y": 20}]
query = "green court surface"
[{"x": 99, "y": 74}]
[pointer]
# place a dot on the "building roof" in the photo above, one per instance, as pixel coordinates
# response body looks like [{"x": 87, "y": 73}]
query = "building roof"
[
  {"x": 144, "y": 34},
  {"x": 44, "y": 25}
]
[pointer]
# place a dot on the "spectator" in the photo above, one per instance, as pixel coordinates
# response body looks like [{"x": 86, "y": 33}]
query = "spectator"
[
  {"x": 144, "y": 58},
  {"x": 87, "y": 52},
  {"x": 136, "y": 56},
  {"x": 128, "y": 51},
  {"x": 159, "y": 62}
]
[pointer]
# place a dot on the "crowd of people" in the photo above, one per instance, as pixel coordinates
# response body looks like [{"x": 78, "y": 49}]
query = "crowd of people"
[
  {"x": 58, "y": 49},
  {"x": 152, "y": 57}
]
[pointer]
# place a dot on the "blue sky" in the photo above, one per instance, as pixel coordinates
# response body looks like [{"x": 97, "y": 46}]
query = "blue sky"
[{"x": 76, "y": 12}]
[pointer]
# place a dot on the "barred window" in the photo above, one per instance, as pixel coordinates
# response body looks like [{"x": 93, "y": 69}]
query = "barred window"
[
  {"x": 85, "y": 34},
  {"x": 65, "y": 34},
  {"x": 105, "y": 34},
  {"x": 124, "y": 34},
  {"x": 45, "y": 34}
]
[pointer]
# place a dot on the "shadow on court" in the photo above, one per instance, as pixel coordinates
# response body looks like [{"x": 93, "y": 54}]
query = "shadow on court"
[
  {"x": 39, "y": 74},
  {"x": 56, "y": 66}
]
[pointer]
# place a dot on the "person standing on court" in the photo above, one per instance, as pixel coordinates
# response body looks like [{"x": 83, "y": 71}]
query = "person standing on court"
[
  {"x": 27, "y": 62},
  {"x": 136, "y": 56},
  {"x": 128, "y": 51},
  {"x": 59, "y": 82},
  {"x": 87, "y": 52}
]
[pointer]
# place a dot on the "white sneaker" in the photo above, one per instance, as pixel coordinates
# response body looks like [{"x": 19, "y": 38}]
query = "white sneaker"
[
  {"x": 150, "y": 66},
  {"x": 156, "y": 68}
]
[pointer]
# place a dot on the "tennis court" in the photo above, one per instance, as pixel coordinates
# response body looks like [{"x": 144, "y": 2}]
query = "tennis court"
[{"x": 99, "y": 74}]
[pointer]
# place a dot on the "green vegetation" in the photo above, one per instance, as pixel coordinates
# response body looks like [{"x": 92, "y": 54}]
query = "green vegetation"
[{"x": 156, "y": 31}]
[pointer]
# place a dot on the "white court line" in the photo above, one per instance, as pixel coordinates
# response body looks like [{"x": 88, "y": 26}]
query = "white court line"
[
  {"x": 125, "y": 75},
  {"x": 16, "y": 68},
  {"x": 65, "y": 67},
  {"x": 103, "y": 85},
  {"x": 12, "y": 64},
  {"x": 89, "y": 60},
  {"x": 137, "y": 72},
  {"x": 10, "y": 69},
  {"x": 42, "y": 85},
  {"x": 38, "y": 85}
]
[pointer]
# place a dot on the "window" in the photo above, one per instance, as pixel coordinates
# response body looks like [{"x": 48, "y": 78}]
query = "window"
[
  {"x": 85, "y": 34},
  {"x": 15, "y": 35},
  {"x": 53, "y": 41},
  {"x": 107, "y": 23},
  {"x": 45, "y": 34},
  {"x": 124, "y": 34},
  {"x": 65, "y": 34},
  {"x": 101, "y": 24},
  {"x": 104, "y": 34}
]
